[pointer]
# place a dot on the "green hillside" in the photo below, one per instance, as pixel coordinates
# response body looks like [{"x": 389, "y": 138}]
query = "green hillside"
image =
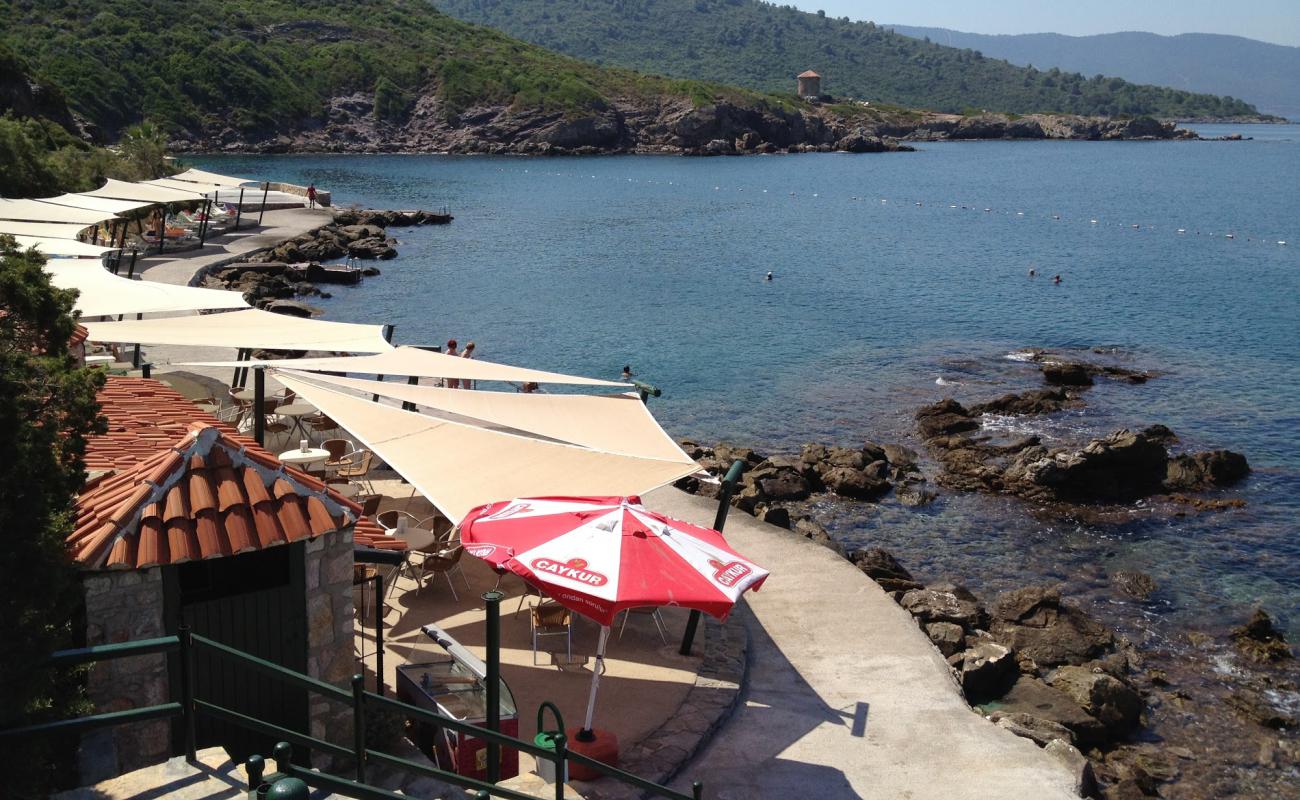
[
  {"x": 259, "y": 66},
  {"x": 763, "y": 46}
]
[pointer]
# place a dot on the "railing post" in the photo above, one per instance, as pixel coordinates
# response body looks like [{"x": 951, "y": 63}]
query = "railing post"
[
  {"x": 697, "y": 790},
  {"x": 187, "y": 688},
  {"x": 493, "y": 600},
  {"x": 379, "y": 634},
  {"x": 283, "y": 754},
  {"x": 255, "y": 766},
  {"x": 259, "y": 406},
  {"x": 359, "y": 725},
  {"x": 724, "y": 505},
  {"x": 561, "y": 764}
]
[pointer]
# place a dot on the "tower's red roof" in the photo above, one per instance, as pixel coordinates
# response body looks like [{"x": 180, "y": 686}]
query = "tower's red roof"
[{"x": 808, "y": 74}]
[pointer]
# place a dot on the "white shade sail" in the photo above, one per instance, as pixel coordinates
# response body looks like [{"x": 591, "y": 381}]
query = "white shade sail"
[
  {"x": 414, "y": 362},
  {"x": 43, "y": 230},
  {"x": 458, "y": 466},
  {"x": 249, "y": 329},
  {"x": 62, "y": 247},
  {"x": 38, "y": 211},
  {"x": 97, "y": 203},
  {"x": 205, "y": 188},
  {"x": 226, "y": 193},
  {"x": 618, "y": 423},
  {"x": 202, "y": 176},
  {"x": 144, "y": 193},
  {"x": 103, "y": 293}
]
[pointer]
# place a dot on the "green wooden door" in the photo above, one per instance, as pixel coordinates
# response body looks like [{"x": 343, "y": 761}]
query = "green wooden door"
[{"x": 256, "y": 603}]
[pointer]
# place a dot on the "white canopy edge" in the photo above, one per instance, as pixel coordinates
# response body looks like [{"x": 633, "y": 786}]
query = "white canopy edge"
[
  {"x": 63, "y": 247},
  {"x": 250, "y": 328},
  {"x": 40, "y": 211},
  {"x": 414, "y": 362},
  {"x": 96, "y": 203},
  {"x": 618, "y": 423},
  {"x": 459, "y": 467},
  {"x": 144, "y": 193},
  {"x": 205, "y": 188},
  {"x": 203, "y": 176},
  {"x": 103, "y": 293},
  {"x": 43, "y": 230}
]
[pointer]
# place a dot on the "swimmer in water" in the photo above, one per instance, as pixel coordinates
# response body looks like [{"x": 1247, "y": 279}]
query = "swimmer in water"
[
  {"x": 1032, "y": 272},
  {"x": 768, "y": 277},
  {"x": 1056, "y": 279}
]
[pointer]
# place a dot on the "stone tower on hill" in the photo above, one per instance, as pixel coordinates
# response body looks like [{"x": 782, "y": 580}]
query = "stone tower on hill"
[{"x": 810, "y": 84}]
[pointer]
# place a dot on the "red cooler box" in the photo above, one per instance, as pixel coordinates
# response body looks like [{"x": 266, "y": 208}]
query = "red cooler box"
[{"x": 448, "y": 687}]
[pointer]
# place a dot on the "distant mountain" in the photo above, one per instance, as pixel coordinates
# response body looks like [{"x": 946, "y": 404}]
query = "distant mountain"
[
  {"x": 762, "y": 46},
  {"x": 1265, "y": 75}
]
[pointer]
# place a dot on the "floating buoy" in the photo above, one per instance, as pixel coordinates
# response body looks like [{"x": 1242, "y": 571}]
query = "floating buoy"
[
  {"x": 815, "y": 194},
  {"x": 1182, "y": 230},
  {"x": 918, "y": 204},
  {"x": 1020, "y": 213},
  {"x": 988, "y": 211},
  {"x": 1136, "y": 226},
  {"x": 952, "y": 206},
  {"x": 1056, "y": 216},
  {"x": 1282, "y": 243},
  {"x": 1229, "y": 236},
  {"x": 1093, "y": 221}
]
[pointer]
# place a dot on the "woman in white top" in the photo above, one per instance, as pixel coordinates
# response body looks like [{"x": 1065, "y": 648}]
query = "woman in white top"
[
  {"x": 468, "y": 353},
  {"x": 452, "y": 383}
]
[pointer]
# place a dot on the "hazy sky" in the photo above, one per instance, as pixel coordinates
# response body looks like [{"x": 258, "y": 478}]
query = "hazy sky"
[{"x": 1275, "y": 21}]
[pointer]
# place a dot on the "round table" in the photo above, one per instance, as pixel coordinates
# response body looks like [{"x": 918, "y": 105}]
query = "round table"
[
  {"x": 296, "y": 411},
  {"x": 246, "y": 395},
  {"x": 304, "y": 458},
  {"x": 415, "y": 538}
]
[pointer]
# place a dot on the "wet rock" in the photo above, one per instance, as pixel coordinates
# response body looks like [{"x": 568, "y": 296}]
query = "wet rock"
[
  {"x": 1206, "y": 470},
  {"x": 1120, "y": 467},
  {"x": 854, "y": 483},
  {"x": 1111, "y": 701},
  {"x": 1254, "y": 704},
  {"x": 949, "y": 637},
  {"x": 1031, "y": 727},
  {"x": 899, "y": 456},
  {"x": 987, "y": 671},
  {"x": 1085, "y": 782},
  {"x": 809, "y": 529},
  {"x": 944, "y": 418},
  {"x": 778, "y": 516},
  {"x": 884, "y": 569},
  {"x": 778, "y": 483},
  {"x": 293, "y": 308},
  {"x": 1138, "y": 585},
  {"x": 1034, "y": 622},
  {"x": 1032, "y": 696},
  {"x": 1067, "y": 374},
  {"x": 727, "y": 453},
  {"x": 1034, "y": 401},
  {"x": 1260, "y": 641},
  {"x": 933, "y": 605},
  {"x": 914, "y": 494}
]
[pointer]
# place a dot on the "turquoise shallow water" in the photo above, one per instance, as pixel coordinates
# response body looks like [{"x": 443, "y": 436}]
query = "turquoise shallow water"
[{"x": 885, "y": 297}]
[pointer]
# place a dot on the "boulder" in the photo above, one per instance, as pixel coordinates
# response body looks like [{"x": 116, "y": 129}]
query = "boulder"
[
  {"x": 899, "y": 456},
  {"x": 934, "y": 605},
  {"x": 1085, "y": 782},
  {"x": 1034, "y": 401},
  {"x": 1123, "y": 466},
  {"x": 1031, "y": 696},
  {"x": 811, "y": 530},
  {"x": 1031, "y": 727},
  {"x": 949, "y": 637},
  {"x": 914, "y": 494},
  {"x": 778, "y": 483},
  {"x": 987, "y": 670},
  {"x": 292, "y": 308},
  {"x": 1206, "y": 470},
  {"x": 884, "y": 569},
  {"x": 778, "y": 516},
  {"x": 860, "y": 141},
  {"x": 1138, "y": 585},
  {"x": 944, "y": 418},
  {"x": 1260, "y": 641},
  {"x": 1034, "y": 622},
  {"x": 853, "y": 483},
  {"x": 1065, "y": 373},
  {"x": 1114, "y": 703}
]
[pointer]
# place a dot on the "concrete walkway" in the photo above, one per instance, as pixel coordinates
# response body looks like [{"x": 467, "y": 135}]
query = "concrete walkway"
[{"x": 846, "y": 697}]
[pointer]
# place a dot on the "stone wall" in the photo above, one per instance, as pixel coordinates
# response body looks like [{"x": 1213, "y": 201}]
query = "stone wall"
[
  {"x": 329, "y": 632},
  {"x": 120, "y": 607}
]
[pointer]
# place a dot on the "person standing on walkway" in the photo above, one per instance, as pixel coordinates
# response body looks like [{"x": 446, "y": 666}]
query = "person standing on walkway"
[
  {"x": 468, "y": 353},
  {"x": 452, "y": 383},
  {"x": 311, "y": 196}
]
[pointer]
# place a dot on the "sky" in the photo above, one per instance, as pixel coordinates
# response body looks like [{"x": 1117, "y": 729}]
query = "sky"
[{"x": 1276, "y": 21}]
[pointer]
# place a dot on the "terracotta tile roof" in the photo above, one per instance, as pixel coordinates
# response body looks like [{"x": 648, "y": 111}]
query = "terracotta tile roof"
[
  {"x": 808, "y": 74},
  {"x": 182, "y": 486},
  {"x": 79, "y": 335},
  {"x": 369, "y": 533}
]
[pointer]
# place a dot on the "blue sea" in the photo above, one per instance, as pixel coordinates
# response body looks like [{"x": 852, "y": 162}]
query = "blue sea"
[{"x": 899, "y": 279}]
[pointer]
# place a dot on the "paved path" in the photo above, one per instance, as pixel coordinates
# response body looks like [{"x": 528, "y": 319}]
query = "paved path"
[{"x": 846, "y": 697}]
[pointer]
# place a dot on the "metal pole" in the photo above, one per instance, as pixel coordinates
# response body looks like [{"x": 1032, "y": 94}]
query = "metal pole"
[
  {"x": 561, "y": 764},
  {"x": 131, "y": 270},
  {"x": 239, "y": 209},
  {"x": 162, "y": 227},
  {"x": 724, "y": 505},
  {"x": 203, "y": 224},
  {"x": 259, "y": 401},
  {"x": 493, "y": 600},
  {"x": 187, "y": 688},
  {"x": 388, "y": 337},
  {"x": 379, "y": 634},
  {"x": 145, "y": 369},
  {"x": 266, "y": 188},
  {"x": 359, "y": 725},
  {"x": 411, "y": 381}
]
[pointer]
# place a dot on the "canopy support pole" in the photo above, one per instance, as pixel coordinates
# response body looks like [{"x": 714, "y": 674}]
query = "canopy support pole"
[
  {"x": 724, "y": 505},
  {"x": 388, "y": 337},
  {"x": 493, "y": 600},
  {"x": 411, "y": 381},
  {"x": 586, "y": 735},
  {"x": 266, "y": 189},
  {"x": 162, "y": 228},
  {"x": 239, "y": 209},
  {"x": 259, "y": 405},
  {"x": 203, "y": 224}
]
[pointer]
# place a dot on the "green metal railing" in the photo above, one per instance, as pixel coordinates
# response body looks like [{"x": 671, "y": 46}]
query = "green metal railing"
[{"x": 362, "y": 701}]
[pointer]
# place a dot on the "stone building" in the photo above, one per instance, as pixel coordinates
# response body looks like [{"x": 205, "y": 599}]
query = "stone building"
[
  {"x": 184, "y": 520},
  {"x": 810, "y": 84}
]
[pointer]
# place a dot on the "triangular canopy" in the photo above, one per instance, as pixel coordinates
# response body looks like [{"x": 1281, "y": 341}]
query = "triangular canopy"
[
  {"x": 414, "y": 362},
  {"x": 97, "y": 203},
  {"x": 43, "y": 230},
  {"x": 62, "y": 247},
  {"x": 144, "y": 193},
  {"x": 38, "y": 211},
  {"x": 618, "y": 423},
  {"x": 103, "y": 293},
  {"x": 202, "y": 176},
  {"x": 226, "y": 193},
  {"x": 459, "y": 467},
  {"x": 248, "y": 329}
]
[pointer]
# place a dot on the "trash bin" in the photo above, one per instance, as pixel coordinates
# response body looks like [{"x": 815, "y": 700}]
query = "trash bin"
[{"x": 545, "y": 766}]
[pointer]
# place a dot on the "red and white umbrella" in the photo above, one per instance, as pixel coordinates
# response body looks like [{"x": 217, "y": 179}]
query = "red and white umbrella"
[{"x": 598, "y": 556}]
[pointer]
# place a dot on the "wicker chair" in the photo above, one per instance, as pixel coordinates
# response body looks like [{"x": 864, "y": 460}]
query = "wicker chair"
[{"x": 357, "y": 469}]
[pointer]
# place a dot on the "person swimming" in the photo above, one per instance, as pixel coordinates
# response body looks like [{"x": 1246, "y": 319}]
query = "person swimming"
[
  {"x": 1032, "y": 272},
  {"x": 768, "y": 277},
  {"x": 1056, "y": 279}
]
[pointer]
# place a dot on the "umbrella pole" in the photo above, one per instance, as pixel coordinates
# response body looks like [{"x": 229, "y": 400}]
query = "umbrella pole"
[
  {"x": 724, "y": 505},
  {"x": 585, "y": 735}
]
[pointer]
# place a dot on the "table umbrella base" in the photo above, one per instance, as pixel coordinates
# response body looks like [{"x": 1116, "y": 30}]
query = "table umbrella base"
[{"x": 603, "y": 747}]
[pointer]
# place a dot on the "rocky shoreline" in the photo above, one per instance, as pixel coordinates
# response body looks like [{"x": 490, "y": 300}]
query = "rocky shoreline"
[
  {"x": 1032, "y": 661},
  {"x": 664, "y": 126},
  {"x": 276, "y": 278}
]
